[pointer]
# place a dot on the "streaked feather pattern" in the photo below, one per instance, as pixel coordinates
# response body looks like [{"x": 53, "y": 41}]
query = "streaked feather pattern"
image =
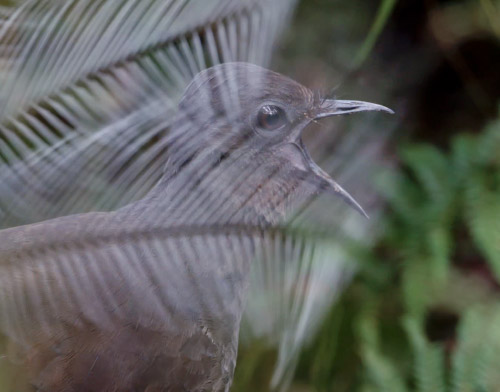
[{"x": 98, "y": 278}]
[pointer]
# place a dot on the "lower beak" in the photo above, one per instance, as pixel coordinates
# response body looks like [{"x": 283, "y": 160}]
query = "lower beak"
[
  {"x": 328, "y": 184},
  {"x": 333, "y": 107}
]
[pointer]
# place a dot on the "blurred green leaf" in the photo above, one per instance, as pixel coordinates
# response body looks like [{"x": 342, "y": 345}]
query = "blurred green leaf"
[
  {"x": 383, "y": 13},
  {"x": 475, "y": 363},
  {"x": 429, "y": 359}
]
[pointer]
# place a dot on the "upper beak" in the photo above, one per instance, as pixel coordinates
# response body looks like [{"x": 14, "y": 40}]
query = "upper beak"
[{"x": 332, "y": 107}]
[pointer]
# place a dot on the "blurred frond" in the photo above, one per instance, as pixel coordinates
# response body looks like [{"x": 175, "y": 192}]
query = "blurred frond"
[
  {"x": 436, "y": 198},
  {"x": 383, "y": 13},
  {"x": 85, "y": 79},
  {"x": 428, "y": 359},
  {"x": 381, "y": 373},
  {"x": 475, "y": 364}
]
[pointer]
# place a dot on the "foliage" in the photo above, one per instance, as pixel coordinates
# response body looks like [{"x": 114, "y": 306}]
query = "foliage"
[
  {"x": 424, "y": 313},
  {"x": 380, "y": 21}
]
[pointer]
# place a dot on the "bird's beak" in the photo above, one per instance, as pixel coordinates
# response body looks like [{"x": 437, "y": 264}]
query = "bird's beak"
[
  {"x": 333, "y": 107},
  {"x": 327, "y": 183}
]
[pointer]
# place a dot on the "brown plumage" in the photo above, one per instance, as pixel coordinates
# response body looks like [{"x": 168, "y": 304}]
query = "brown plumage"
[{"x": 150, "y": 297}]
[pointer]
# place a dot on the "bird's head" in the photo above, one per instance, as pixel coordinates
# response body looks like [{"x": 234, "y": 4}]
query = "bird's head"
[{"x": 240, "y": 129}]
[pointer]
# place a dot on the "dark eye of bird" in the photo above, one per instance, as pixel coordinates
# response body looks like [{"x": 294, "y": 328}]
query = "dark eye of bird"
[{"x": 271, "y": 117}]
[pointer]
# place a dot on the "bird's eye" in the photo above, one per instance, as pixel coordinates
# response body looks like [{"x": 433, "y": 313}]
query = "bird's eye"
[{"x": 271, "y": 118}]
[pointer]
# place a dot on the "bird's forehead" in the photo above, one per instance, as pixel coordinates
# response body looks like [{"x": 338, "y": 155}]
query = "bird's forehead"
[
  {"x": 286, "y": 91},
  {"x": 244, "y": 82}
]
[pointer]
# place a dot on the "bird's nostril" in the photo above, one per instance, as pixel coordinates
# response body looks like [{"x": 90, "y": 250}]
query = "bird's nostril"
[{"x": 343, "y": 109}]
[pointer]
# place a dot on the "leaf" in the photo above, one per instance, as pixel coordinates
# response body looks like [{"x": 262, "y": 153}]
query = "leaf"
[
  {"x": 383, "y": 14},
  {"x": 429, "y": 360},
  {"x": 382, "y": 374},
  {"x": 431, "y": 170},
  {"x": 415, "y": 277},
  {"x": 475, "y": 363},
  {"x": 484, "y": 221},
  {"x": 440, "y": 245},
  {"x": 482, "y": 196}
]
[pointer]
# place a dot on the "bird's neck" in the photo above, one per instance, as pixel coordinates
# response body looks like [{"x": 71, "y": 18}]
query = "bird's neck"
[
  {"x": 201, "y": 197},
  {"x": 216, "y": 265},
  {"x": 224, "y": 214}
]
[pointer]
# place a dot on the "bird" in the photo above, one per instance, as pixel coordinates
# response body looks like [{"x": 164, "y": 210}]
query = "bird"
[{"x": 150, "y": 297}]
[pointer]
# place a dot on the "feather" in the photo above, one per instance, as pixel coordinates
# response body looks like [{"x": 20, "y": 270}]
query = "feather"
[{"x": 82, "y": 76}]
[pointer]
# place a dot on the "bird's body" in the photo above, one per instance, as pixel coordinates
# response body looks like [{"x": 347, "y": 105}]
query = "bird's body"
[
  {"x": 103, "y": 307},
  {"x": 150, "y": 297}
]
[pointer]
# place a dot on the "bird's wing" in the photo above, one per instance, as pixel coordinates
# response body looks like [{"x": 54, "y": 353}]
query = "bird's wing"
[
  {"x": 98, "y": 271},
  {"x": 95, "y": 269},
  {"x": 81, "y": 289}
]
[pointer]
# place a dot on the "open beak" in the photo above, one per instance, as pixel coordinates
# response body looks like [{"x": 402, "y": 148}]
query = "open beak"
[
  {"x": 332, "y": 107},
  {"x": 326, "y": 183}
]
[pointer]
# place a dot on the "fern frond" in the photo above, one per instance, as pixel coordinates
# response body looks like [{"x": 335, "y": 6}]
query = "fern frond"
[
  {"x": 475, "y": 363},
  {"x": 428, "y": 359}
]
